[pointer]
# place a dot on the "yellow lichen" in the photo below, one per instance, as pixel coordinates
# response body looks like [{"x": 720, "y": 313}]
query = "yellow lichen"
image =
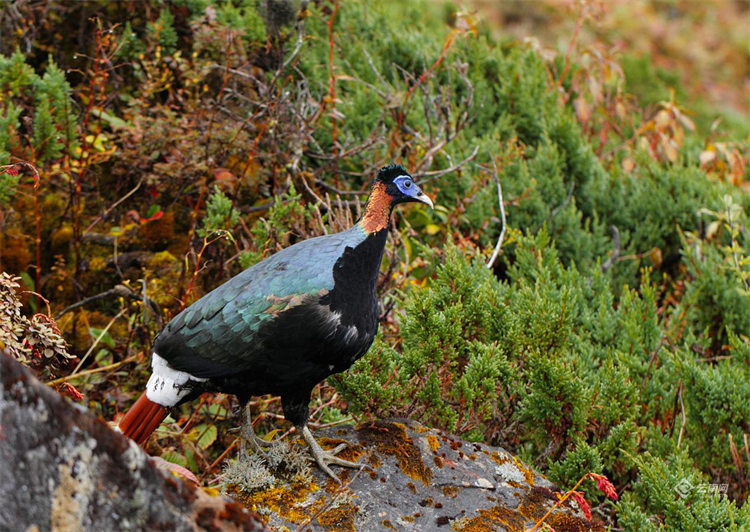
[
  {"x": 341, "y": 518},
  {"x": 391, "y": 438},
  {"x": 532, "y": 508},
  {"x": 434, "y": 443},
  {"x": 288, "y": 502},
  {"x": 527, "y": 472}
]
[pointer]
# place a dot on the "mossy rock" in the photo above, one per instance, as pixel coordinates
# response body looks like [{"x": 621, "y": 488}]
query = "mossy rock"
[{"x": 421, "y": 479}]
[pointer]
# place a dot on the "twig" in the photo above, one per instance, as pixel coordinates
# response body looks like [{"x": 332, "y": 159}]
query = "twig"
[
  {"x": 311, "y": 191},
  {"x": 684, "y": 420},
  {"x": 300, "y": 34},
  {"x": 651, "y": 361},
  {"x": 112, "y": 207},
  {"x": 221, "y": 233},
  {"x": 502, "y": 214},
  {"x": 439, "y": 173},
  {"x": 564, "y": 204},
  {"x": 96, "y": 342},
  {"x": 559, "y": 503},
  {"x": 95, "y": 370},
  {"x": 119, "y": 290},
  {"x": 339, "y": 191},
  {"x": 576, "y": 31},
  {"x": 44, "y": 299},
  {"x": 220, "y": 458},
  {"x": 615, "y": 249}
]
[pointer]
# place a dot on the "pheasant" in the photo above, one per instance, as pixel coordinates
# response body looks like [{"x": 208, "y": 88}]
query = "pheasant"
[{"x": 280, "y": 327}]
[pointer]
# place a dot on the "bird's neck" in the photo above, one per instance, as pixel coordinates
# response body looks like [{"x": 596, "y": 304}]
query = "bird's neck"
[{"x": 377, "y": 210}]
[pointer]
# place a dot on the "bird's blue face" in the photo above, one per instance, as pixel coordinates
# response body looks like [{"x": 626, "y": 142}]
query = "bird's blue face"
[{"x": 409, "y": 191}]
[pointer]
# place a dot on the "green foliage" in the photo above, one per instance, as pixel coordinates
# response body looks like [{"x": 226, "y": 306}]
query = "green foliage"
[
  {"x": 245, "y": 18},
  {"x": 655, "y": 500},
  {"x": 38, "y": 107},
  {"x": 162, "y": 31},
  {"x": 220, "y": 214},
  {"x": 285, "y": 221},
  {"x": 577, "y": 370},
  {"x": 8, "y": 185},
  {"x": 449, "y": 331},
  {"x": 15, "y": 73},
  {"x": 46, "y": 143}
]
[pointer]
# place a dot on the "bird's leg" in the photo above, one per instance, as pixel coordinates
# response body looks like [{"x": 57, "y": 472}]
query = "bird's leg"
[
  {"x": 248, "y": 436},
  {"x": 326, "y": 458}
]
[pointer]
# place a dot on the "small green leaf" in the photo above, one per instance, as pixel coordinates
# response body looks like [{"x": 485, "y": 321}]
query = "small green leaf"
[
  {"x": 205, "y": 435},
  {"x": 432, "y": 229},
  {"x": 152, "y": 210},
  {"x": 175, "y": 458},
  {"x": 106, "y": 339}
]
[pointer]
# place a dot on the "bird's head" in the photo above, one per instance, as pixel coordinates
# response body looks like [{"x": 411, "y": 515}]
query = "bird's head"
[
  {"x": 400, "y": 186},
  {"x": 392, "y": 186}
]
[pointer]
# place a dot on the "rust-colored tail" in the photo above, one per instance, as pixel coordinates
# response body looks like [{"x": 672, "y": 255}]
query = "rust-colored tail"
[{"x": 142, "y": 419}]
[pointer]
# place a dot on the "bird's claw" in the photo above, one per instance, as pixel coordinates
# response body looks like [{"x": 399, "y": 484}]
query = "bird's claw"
[
  {"x": 325, "y": 458},
  {"x": 257, "y": 444},
  {"x": 248, "y": 437}
]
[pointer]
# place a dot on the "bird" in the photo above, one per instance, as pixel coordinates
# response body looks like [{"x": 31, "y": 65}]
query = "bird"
[{"x": 279, "y": 327}]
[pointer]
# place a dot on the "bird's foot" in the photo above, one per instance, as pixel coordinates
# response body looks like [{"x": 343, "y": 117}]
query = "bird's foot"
[
  {"x": 325, "y": 458},
  {"x": 257, "y": 444},
  {"x": 249, "y": 438}
]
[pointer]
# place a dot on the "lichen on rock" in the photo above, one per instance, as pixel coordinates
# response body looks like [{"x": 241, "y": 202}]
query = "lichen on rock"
[{"x": 423, "y": 479}]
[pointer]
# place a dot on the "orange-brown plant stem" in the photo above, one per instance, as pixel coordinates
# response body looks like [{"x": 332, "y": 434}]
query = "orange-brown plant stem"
[
  {"x": 603, "y": 483},
  {"x": 576, "y": 31},
  {"x": 96, "y": 85},
  {"x": 196, "y": 271},
  {"x": 194, "y": 221},
  {"x": 38, "y": 236},
  {"x": 557, "y": 505},
  {"x": 220, "y": 458}
]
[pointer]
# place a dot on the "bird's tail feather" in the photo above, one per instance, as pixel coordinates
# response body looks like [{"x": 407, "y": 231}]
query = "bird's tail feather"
[{"x": 143, "y": 418}]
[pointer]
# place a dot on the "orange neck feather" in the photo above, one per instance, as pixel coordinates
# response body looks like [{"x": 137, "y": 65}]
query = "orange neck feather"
[{"x": 378, "y": 210}]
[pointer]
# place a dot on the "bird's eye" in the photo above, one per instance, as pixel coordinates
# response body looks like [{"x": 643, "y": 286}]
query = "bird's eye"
[{"x": 407, "y": 184}]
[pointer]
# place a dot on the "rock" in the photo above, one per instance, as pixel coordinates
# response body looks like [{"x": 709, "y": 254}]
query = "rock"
[
  {"x": 61, "y": 469},
  {"x": 423, "y": 479}
]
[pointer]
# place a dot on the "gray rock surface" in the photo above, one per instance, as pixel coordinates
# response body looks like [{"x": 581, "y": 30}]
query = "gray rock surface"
[
  {"x": 423, "y": 479},
  {"x": 63, "y": 470}
]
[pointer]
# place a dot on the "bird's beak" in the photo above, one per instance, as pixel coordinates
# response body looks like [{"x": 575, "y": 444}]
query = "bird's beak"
[{"x": 424, "y": 198}]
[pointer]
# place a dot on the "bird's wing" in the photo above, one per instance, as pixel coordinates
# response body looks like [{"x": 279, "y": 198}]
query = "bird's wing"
[{"x": 217, "y": 336}]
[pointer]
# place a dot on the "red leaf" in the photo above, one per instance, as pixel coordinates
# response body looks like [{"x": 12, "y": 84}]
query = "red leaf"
[
  {"x": 72, "y": 392},
  {"x": 153, "y": 218},
  {"x": 176, "y": 469},
  {"x": 605, "y": 486},
  {"x": 582, "y": 504}
]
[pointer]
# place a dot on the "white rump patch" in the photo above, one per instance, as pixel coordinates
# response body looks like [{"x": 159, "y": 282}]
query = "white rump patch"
[{"x": 167, "y": 385}]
